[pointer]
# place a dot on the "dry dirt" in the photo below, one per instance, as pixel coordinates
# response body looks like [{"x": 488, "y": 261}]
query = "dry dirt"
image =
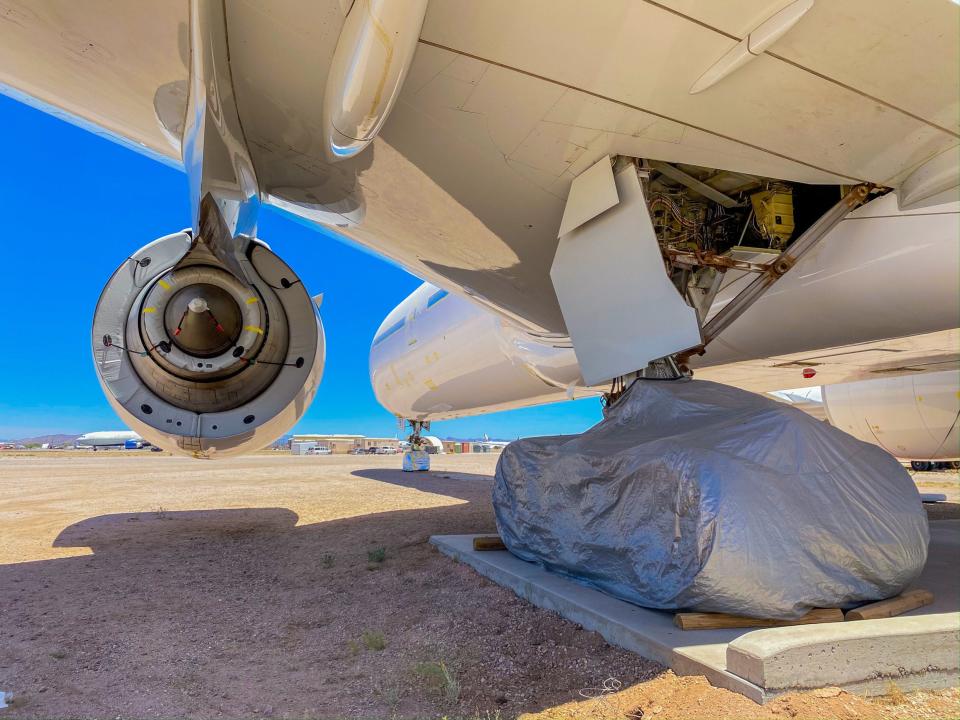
[{"x": 140, "y": 585}]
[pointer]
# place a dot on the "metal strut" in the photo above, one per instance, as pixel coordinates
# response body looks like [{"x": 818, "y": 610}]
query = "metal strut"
[
  {"x": 778, "y": 268},
  {"x": 417, "y": 427}
]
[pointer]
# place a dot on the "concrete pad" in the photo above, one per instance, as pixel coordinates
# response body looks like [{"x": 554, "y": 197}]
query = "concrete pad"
[
  {"x": 861, "y": 656},
  {"x": 917, "y": 650}
]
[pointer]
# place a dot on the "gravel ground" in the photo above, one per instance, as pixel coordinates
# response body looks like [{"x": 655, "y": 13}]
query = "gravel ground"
[{"x": 140, "y": 585}]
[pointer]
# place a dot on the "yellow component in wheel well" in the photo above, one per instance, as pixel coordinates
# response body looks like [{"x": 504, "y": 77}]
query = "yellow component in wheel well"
[{"x": 774, "y": 212}]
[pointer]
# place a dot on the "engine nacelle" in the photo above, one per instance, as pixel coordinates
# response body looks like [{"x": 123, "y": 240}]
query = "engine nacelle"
[
  {"x": 913, "y": 417},
  {"x": 204, "y": 359}
]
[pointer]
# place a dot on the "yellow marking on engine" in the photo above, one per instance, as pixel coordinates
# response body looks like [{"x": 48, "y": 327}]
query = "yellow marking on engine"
[
  {"x": 164, "y": 284},
  {"x": 150, "y": 310},
  {"x": 251, "y": 328},
  {"x": 251, "y": 301}
]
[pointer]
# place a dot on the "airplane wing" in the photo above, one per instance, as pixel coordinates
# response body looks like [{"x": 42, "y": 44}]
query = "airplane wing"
[{"x": 506, "y": 102}]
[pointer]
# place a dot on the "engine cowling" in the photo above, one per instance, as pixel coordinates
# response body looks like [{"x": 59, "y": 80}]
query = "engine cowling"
[
  {"x": 207, "y": 358},
  {"x": 913, "y": 417}
]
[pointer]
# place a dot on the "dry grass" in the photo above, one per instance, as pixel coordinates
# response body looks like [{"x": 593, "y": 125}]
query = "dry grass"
[{"x": 374, "y": 640}]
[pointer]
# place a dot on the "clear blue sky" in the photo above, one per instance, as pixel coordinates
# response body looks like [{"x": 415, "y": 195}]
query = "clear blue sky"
[{"x": 74, "y": 205}]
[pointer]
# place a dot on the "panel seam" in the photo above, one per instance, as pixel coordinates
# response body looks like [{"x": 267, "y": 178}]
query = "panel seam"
[{"x": 623, "y": 103}]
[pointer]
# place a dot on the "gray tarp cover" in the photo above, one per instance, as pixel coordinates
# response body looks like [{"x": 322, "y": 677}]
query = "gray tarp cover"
[{"x": 690, "y": 494}]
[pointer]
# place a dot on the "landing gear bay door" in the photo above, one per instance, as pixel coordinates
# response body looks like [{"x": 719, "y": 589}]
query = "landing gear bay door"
[{"x": 621, "y": 309}]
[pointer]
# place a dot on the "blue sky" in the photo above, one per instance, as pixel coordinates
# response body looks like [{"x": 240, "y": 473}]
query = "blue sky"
[{"x": 74, "y": 205}]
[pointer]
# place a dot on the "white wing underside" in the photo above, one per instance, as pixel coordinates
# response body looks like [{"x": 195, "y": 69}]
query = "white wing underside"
[{"x": 507, "y": 102}]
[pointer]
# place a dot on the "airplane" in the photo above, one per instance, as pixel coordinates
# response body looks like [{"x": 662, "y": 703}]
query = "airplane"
[
  {"x": 913, "y": 417},
  {"x": 764, "y": 194},
  {"x": 109, "y": 438}
]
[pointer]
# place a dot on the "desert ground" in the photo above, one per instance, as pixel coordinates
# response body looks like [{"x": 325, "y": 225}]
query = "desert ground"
[{"x": 140, "y": 585}]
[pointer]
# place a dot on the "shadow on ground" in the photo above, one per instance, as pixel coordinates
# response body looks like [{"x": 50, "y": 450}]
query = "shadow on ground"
[
  {"x": 943, "y": 511},
  {"x": 243, "y": 613}
]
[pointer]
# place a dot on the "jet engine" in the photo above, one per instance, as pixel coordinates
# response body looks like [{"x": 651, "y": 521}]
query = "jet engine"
[
  {"x": 913, "y": 417},
  {"x": 206, "y": 352}
]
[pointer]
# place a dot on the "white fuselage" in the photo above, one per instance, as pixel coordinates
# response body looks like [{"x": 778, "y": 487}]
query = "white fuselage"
[
  {"x": 107, "y": 438},
  {"x": 877, "y": 296}
]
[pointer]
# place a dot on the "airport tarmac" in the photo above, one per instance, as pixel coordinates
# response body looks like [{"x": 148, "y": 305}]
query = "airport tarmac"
[{"x": 135, "y": 584}]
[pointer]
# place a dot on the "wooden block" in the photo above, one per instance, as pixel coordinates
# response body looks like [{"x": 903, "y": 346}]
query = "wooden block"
[
  {"x": 488, "y": 542},
  {"x": 716, "y": 621},
  {"x": 894, "y": 606}
]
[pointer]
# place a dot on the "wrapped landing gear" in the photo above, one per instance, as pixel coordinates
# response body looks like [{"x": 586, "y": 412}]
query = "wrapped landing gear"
[{"x": 416, "y": 459}]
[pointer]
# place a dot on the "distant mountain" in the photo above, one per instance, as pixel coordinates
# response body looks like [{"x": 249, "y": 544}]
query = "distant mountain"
[{"x": 41, "y": 439}]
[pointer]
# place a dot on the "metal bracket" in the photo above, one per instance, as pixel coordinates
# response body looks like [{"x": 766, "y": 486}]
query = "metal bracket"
[
  {"x": 708, "y": 258},
  {"x": 700, "y": 188}
]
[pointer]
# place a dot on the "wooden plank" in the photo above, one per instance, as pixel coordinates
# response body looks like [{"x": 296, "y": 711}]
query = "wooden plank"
[
  {"x": 488, "y": 542},
  {"x": 893, "y": 606},
  {"x": 715, "y": 621}
]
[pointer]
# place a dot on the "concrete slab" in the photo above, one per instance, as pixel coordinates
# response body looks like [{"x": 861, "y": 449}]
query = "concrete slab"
[
  {"x": 922, "y": 652},
  {"x": 861, "y": 656}
]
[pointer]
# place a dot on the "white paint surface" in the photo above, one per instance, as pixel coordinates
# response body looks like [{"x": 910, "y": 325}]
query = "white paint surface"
[
  {"x": 620, "y": 307},
  {"x": 591, "y": 193}
]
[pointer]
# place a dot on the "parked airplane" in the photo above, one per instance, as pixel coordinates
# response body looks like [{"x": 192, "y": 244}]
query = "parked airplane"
[
  {"x": 109, "y": 438},
  {"x": 913, "y": 417},
  {"x": 765, "y": 194}
]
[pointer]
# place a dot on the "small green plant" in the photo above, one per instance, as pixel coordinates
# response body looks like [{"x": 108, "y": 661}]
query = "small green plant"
[
  {"x": 327, "y": 561},
  {"x": 377, "y": 555},
  {"x": 374, "y": 640},
  {"x": 58, "y": 654},
  {"x": 441, "y": 677},
  {"x": 353, "y": 646},
  {"x": 390, "y": 694}
]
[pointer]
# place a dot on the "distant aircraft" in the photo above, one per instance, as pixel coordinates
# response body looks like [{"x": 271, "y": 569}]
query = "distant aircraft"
[
  {"x": 110, "y": 438},
  {"x": 760, "y": 196}
]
